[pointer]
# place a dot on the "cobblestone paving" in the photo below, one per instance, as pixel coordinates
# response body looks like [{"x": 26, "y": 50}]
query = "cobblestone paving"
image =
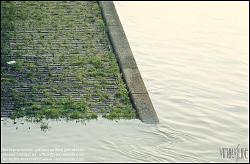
[{"x": 56, "y": 61}]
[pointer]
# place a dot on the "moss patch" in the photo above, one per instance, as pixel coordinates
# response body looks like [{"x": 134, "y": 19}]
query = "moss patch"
[{"x": 53, "y": 109}]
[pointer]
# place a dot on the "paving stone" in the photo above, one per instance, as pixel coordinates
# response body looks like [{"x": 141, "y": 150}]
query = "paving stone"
[{"x": 45, "y": 38}]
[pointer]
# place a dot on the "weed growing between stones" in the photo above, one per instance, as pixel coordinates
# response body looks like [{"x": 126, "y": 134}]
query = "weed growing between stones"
[
  {"x": 54, "y": 109},
  {"x": 64, "y": 67}
]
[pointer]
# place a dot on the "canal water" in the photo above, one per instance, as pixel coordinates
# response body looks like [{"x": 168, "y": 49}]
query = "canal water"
[{"x": 193, "y": 57}]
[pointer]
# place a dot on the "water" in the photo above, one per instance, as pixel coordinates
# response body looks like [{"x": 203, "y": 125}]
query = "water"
[{"x": 193, "y": 57}]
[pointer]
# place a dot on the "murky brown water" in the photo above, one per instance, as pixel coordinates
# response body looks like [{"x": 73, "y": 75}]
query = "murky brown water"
[{"x": 194, "y": 60}]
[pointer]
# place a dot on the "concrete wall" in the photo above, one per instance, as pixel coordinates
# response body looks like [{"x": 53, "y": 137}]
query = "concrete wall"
[{"x": 138, "y": 92}]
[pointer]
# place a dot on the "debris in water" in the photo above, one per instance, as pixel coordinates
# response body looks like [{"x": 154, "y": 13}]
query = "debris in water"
[
  {"x": 44, "y": 126},
  {"x": 11, "y": 62}
]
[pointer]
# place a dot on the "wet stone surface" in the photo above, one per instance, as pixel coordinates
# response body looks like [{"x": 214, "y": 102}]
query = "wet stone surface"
[{"x": 56, "y": 62}]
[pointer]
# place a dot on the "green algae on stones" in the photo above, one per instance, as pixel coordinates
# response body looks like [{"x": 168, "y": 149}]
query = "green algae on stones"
[
  {"x": 120, "y": 113},
  {"x": 56, "y": 109},
  {"x": 64, "y": 65}
]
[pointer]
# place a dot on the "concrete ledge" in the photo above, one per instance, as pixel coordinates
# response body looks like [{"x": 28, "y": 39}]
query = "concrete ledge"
[{"x": 138, "y": 92}]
